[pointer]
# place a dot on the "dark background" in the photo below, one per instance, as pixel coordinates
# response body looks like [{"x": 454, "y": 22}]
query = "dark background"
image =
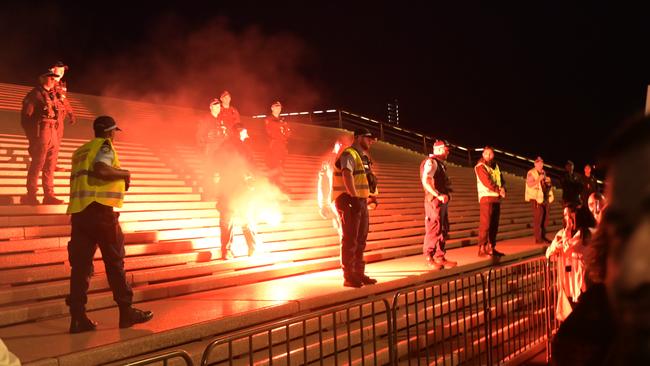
[{"x": 554, "y": 80}]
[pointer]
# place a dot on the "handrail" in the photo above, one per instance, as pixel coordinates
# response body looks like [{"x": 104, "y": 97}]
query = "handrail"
[
  {"x": 164, "y": 358},
  {"x": 416, "y": 141}
]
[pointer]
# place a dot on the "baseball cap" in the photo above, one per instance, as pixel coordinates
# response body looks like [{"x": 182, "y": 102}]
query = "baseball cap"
[
  {"x": 362, "y": 131},
  {"x": 104, "y": 124},
  {"x": 49, "y": 74},
  {"x": 439, "y": 147},
  {"x": 224, "y": 93},
  {"x": 539, "y": 159},
  {"x": 214, "y": 101},
  {"x": 60, "y": 64}
]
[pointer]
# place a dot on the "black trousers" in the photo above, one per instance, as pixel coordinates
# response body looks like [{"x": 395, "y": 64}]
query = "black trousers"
[
  {"x": 436, "y": 226},
  {"x": 96, "y": 225},
  {"x": 540, "y": 220},
  {"x": 353, "y": 212},
  {"x": 488, "y": 226}
]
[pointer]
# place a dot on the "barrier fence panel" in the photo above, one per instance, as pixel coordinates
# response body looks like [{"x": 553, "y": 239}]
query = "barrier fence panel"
[
  {"x": 517, "y": 308},
  {"x": 551, "y": 289},
  {"x": 441, "y": 322},
  {"x": 357, "y": 332},
  {"x": 164, "y": 358}
]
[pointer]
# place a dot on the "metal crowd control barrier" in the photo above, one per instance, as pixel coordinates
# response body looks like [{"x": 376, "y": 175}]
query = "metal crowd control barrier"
[
  {"x": 164, "y": 358},
  {"x": 358, "y": 331},
  {"x": 517, "y": 308},
  {"x": 441, "y": 322},
  {"x": 486, "y": 317}
]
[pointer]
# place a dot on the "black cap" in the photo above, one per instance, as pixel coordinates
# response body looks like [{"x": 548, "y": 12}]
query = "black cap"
[
  {"x": 60, "y": 64},
  {"x": 362, "y": 131},
  {"x": 49, "y": 74},
  {"x": 105, "y": 124}
]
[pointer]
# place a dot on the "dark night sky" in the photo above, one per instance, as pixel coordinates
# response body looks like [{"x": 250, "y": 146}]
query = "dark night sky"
[{"x": 554, "y": 80}]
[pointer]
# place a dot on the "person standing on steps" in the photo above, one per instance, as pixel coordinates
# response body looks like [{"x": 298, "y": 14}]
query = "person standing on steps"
[
  {"x": 39, "y": 118},
  {"x": 97, "y": 186},
  {"x": 437, "y": 190},
  {"x": 351, "y": 192},
  {"x": 490, "y": 186},
  {"x": 539, "y": 193}
]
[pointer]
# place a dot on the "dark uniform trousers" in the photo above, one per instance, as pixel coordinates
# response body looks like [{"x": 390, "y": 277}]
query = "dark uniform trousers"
[
  {"x": 226, "y": 228},
  {"x": 540, "y": 220},
  {"x": 488, "y": 226},
  {"x": 96, "y": 225},
  {"x": 43, "y": 152},
  {"x": 436, "y": 224},
  {"x": 353, "y": 212}
]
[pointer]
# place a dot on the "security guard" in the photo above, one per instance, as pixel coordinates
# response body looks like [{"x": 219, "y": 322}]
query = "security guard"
[
  {"x": 39, "y": 118},
  {"x": 278, "y": 132},
  {"x": 61, "y": 90},
  {"x": 97, "y": 185},
  {"x": 539, "y": 192},
  {"x": 437, "y": 190},
  {"x": 351, "y": 192},
  {"x": 490, "y": 186}
]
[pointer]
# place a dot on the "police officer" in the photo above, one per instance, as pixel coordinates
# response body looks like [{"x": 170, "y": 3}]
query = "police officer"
[
  {"x": 490, "y": 186},
  {"x": 235, "y": 179},
  {"x": 210, "y": 135},
  {"x": 229, "y": 114},
  {"x": 97, "y": 185},
  {"x": 278, "y": 132},
  {"x": 437, "y": 189},
  {"x": 61, "y": 90},
  {"x": 39, "y": 117},
  {"x": 351, "y": 192}
]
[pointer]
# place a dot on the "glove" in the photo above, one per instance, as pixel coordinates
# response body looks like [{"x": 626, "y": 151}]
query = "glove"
[{"x": 127, "y": 183}]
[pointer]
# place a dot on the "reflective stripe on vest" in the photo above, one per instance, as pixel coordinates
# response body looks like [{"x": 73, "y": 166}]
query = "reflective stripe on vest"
[
  {"x": 359, "y": 175},
  {"x": 85, "y": 187},
  {"x": 495, "y": 176}
]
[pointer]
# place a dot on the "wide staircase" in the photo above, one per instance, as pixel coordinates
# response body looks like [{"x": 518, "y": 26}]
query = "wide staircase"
[{"x": 172, "y": 245}]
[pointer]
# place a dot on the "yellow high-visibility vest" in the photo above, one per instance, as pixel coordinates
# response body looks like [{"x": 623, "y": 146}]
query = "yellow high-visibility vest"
[
  {"x": 85, "y": 188},
  {"x": 536, "y": 193},
  {"x": 495, "y": 176},
  {"x": 359, "y": 175}
]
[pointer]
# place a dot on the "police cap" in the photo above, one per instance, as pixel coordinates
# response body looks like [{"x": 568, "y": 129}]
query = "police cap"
[{"x": 105, "y": 124}]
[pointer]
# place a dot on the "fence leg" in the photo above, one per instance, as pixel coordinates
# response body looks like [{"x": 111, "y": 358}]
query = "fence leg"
[
  {"x": 424, "y": 145},
  {"x": 340, "y": 119}
]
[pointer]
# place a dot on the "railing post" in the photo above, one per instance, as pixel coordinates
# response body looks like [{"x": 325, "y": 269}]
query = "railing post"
[
  {"x": 469, "y": 156},
  {"x": 340, "y": 119},
  {"x": 487, "y": 312},
  {"x": 424, "y": 145},
  {"x": 549, "y": 332},
  {"x": 381, "y": 131}
]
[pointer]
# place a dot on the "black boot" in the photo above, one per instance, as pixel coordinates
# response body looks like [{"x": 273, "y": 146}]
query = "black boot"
[
  {"x": 130, "y": 316},
  {"x": 80, "y": 323},
  {"x": 351, "y": 279}
]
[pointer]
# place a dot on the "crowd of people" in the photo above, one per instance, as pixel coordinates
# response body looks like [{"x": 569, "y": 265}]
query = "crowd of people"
[{"x": 601, "y": 252}]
